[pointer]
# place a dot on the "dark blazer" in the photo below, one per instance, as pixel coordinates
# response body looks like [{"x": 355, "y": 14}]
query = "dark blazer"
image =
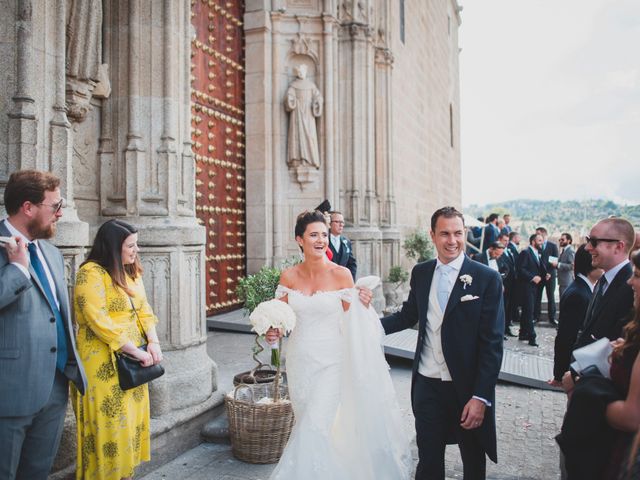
[
  {"x": 471, "y": 335},
  {"x": 28, "y": 333},
  {"x": 513, "y": 249},
  {"x": 573, "y": 308},
  {"x": 613, "y": 312},
  {"x": 503, "y": 264},
  {"x": 527, "y": 267},
  {"x": 345, "y": 256},
  {"x": 586, "y": 438},
  {"x": 490, "y": 235},
  {"x": 550, "y": 250}
]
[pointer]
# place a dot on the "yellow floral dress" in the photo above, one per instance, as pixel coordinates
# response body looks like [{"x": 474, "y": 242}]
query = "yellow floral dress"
[{"x": 112, "y": 425}]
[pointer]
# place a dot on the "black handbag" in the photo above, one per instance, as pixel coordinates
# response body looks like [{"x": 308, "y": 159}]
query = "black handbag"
[{"x": 131, "y": 373}]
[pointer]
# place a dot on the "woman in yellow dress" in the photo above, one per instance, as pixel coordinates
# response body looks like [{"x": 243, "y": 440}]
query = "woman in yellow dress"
[{"x": 112, "y": 424}]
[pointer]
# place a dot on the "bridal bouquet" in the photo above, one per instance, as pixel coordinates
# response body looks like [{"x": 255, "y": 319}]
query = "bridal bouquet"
[{"x": 273, "y": 314}]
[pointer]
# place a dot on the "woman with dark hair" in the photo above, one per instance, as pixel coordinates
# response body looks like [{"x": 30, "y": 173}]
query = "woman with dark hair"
[
  {"x": 113, "y": 315},
  {"x": 624, "y": 415},
  {"x": 348, "y": 424}
]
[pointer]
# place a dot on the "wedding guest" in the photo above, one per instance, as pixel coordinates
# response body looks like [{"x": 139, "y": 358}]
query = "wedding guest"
[
  {"x": 491, "y": 231},
  {"x": 113, "y": 315},
  {"x": 38, "y": 355},
  {"x": 340, "y": 245},
  {"x": 609, "y": 243},
  {"x": 509, "y": 283},
  {"x": 507, "y": 227},
  {"x": 573, "y": 308},
  {"x": 565, "y": 262},
  {"x": 530, "y": 272},
  {"x": 549, "y": 254},
  {"x": 620, "y": 397}
]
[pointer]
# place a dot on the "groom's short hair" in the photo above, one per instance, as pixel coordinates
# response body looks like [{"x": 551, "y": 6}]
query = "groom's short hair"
[{"x": 446, "y": 212}]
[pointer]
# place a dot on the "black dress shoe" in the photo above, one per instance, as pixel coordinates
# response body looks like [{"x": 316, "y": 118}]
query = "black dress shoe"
[
  {"x": 553, "y": 322},
  {"x": 509, "y": 333},
  {"x": 533, "y": 343}
]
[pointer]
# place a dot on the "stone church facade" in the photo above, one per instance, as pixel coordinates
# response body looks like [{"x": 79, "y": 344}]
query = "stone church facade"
[{"x": 172, "y": 114}]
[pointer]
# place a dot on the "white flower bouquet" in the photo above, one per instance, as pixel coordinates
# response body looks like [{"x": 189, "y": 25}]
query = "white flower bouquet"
[{"x": 273, "y": 314}]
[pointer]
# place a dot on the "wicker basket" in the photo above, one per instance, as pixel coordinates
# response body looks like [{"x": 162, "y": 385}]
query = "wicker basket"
[{"x": 259, "y": 432}]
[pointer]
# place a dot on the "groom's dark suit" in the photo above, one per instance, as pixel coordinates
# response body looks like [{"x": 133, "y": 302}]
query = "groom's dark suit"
[{"x": 471, "y": 335}]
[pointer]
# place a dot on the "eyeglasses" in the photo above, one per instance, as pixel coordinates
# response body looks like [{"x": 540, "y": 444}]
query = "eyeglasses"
[
  {"x": 56, "y": 206},
  {"x": 593, "y": 241}
]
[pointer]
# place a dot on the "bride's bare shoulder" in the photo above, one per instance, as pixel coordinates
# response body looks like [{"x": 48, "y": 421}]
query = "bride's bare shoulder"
[
  {"x": 341, "y": 276},
  {"x": 288, "y": 277}
]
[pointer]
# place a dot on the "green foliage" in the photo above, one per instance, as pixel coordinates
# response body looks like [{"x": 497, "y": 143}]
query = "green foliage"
[
  {"x": 259, "y": 287},
  {"x": 418, "y": 246},
  {"x": 576, "y": 216},
  {"x": 398, "y": 275}
]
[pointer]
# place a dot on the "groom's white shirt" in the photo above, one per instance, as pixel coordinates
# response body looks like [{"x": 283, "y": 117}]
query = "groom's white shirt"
[{"x": 432, "y": 363}]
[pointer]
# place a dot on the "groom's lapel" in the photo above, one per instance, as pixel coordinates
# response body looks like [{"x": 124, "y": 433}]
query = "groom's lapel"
[
  {"x": 424, "y": 294},
  {"x": 458, "y": 289}
]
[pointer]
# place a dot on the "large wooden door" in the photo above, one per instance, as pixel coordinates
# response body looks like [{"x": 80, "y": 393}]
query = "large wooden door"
[{"x": 217, "y": 107}]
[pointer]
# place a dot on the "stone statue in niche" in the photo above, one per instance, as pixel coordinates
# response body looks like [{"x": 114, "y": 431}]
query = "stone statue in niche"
[
  {"x": 86, "y": 75},
  {"x": 304, "y": 104}
]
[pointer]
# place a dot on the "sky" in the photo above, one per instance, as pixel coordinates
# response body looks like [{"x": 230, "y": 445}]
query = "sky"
[{"x": 550, "y": 100}]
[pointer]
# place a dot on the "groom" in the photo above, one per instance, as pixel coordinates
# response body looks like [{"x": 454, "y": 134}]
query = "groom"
[{"x": 458, "y": 305}]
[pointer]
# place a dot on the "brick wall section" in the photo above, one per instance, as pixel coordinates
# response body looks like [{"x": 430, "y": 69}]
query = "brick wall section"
[{"x": 425, "y": 83}]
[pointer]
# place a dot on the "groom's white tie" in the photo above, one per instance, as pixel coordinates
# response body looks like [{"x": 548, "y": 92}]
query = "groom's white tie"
[{"x": 444, "y": 285}]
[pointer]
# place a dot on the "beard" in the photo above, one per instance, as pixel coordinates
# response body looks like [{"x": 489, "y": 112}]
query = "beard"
[{"x": 37, "y": 230}]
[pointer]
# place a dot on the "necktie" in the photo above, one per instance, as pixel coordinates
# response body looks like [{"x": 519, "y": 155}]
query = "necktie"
[
  {"x": 61, "y": 358},
  {"x": 443, "y": 289},
  {"x": 602, "y": 284}
]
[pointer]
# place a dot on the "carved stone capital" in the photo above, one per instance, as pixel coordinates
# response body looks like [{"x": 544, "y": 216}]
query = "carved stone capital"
[{"x": 384, "y": 56}]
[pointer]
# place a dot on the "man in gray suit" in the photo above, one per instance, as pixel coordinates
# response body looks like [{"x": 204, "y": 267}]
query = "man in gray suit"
[
  {"x": 565, "y": 262},
  {"x": 38, "y": 356}
]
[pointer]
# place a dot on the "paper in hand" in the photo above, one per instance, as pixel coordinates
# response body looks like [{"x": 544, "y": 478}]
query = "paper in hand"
[{"x": 596, "y": 353}]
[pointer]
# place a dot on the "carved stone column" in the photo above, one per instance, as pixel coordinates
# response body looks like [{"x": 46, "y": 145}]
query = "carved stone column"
[{"x": 148, "y": 179}]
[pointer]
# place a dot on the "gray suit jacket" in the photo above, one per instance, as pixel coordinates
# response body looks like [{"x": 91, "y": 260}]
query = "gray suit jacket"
[
  {"x": 565, "y": 266},
  {"x": 28, "y": 335}
]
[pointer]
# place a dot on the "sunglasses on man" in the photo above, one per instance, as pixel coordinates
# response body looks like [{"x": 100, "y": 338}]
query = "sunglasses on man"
[
  {"x": 55, "y": 206},
  {"x": 593, "y": 241}
]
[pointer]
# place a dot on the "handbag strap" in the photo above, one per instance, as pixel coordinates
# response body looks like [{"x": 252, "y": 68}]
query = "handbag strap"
[{"x": 144, "y": 334}]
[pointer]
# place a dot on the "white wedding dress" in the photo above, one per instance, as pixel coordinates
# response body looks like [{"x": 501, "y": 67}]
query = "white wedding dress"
[{"x": 348, "y": 424}]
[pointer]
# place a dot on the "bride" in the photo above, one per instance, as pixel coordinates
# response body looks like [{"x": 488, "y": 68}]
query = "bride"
[{"x": 348, "y": 423}]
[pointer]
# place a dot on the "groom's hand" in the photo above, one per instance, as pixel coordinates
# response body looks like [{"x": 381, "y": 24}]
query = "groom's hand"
[{"x": 472, "y": 414}]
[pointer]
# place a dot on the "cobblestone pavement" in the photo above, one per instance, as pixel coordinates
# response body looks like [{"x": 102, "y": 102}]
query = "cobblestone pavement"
[{"x": 528, "y": 420}]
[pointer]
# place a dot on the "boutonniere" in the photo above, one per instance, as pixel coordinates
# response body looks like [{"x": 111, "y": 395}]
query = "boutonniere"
[
  {"x": 466, "y": 280},
  {"x": 468, "y": 298}
]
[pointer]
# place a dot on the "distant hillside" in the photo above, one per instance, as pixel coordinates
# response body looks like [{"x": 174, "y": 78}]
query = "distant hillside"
[{"x": 573, "y": 216}]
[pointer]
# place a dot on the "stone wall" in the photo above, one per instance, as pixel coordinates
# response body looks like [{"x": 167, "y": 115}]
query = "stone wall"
[{"x": 425, "y": 98}]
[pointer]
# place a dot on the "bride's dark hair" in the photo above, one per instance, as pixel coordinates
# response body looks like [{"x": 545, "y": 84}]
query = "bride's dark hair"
[{"x": 307, "y": 218}]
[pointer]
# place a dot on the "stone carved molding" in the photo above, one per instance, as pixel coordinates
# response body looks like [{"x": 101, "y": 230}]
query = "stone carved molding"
[
  {"x": 191, "y": 299},
  {"x": 384, "y": 56},
  {"x": 157, "y": 277},
  {"x": 86, "y": 75},
  {"x": 301, "y": 45}
]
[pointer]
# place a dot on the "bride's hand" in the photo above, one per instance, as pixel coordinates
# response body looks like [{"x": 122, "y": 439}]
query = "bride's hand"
[
  {"x": 365, "y": 296},
  {"x": 273, "y": 335}
]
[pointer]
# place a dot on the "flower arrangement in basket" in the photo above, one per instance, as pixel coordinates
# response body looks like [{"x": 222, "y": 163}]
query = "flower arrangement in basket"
[{"x": 260, "y": 415}]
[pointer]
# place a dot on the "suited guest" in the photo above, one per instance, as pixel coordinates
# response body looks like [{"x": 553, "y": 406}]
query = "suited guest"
[
  {"x": 509, "y": 283},
  {"x": 494, "y": 259},
  {"x": 530, "y": 272},
  {"x": 340, "y": 245},
  {"x": 549, "y": 253},
  {"x": 565, "y": 262},
  {"x": 38, "y": 355},
  {"x": 491, "y": 231},
  {"x": 514, "y": 243},
  {"x": 507, "y": 227},
  {"x": 609, "y": 243},
  {"x": 459, "y": 308},
  {"x": 573, "y": 308}
]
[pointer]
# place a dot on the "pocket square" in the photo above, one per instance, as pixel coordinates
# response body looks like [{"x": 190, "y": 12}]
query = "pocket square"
[{"x": 468, "y": 298}]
